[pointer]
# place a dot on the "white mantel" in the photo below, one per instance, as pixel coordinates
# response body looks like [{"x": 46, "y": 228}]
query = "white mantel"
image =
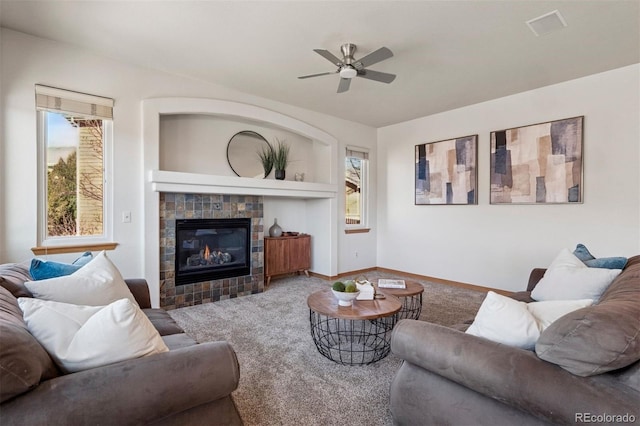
[
  {"x": 320, "y": 198},
  {"x": 168, "y": 181}
]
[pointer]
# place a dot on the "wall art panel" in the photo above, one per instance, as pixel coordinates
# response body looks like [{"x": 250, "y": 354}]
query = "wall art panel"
[
  {"x": 446, "y": 171},
  {"x": 538, "y": 164}
]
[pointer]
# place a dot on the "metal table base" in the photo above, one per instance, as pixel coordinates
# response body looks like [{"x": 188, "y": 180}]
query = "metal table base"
[
  {"x": 352, "y": 341},
  {"x": 411, "y": 307}
]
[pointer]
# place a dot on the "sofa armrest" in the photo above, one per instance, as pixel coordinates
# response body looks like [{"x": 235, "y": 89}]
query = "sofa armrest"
[
  {"x": 535, "y": 276},
  {"x": 513, "y": 376},
  {"x": 140, "y": 290},
  {"x": 137, "y": 391}
]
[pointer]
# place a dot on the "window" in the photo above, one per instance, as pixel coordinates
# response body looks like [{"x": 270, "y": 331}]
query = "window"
[
  {"x": 74, "y": 137},
  {"x": 356, "y": 179}
]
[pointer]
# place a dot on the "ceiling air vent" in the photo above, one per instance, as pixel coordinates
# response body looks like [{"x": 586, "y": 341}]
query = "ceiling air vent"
[{"x": 547, "y": 23}]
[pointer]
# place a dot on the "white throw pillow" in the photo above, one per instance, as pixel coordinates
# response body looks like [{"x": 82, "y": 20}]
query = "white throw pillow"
[
  {"x": 82, "y": 337},
  {"x": 505, "y": 320},
  {"x": 98, "y": 283},
  {"x": 547, "y": 312},
  {"x": 568, "y": 278}
]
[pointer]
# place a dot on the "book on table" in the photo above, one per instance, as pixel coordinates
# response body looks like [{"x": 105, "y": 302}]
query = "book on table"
[{"x": 387, "y": 283}]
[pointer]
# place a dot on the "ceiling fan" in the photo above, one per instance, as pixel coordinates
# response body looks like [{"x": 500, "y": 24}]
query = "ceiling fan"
[{"x": 349, "y": 67}]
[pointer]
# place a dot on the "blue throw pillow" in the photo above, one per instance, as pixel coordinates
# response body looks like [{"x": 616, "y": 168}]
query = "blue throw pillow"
[
  {"x": 607, "y": 262},
  {"x": 582, "y": 253},
  {"x": 45, "y": 269},
  {"x": 84, "y": 259}
]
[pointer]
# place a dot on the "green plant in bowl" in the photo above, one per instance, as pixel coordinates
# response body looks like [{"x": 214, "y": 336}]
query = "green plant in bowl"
[
  {"x": 351, "y": 288},
  {"x": 346, "y": 292}
]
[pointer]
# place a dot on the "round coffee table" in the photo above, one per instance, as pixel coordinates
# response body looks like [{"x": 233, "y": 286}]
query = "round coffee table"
[
  {"x": 411, "y": 298},
  {"x": 352, "y": 335}
]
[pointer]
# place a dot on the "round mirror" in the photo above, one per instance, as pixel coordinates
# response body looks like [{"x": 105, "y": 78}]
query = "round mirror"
[{"x": 243, "y": 154}]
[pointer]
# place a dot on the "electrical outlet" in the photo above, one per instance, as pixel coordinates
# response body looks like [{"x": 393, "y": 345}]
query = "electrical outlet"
[{"x": 126, "y": 217}]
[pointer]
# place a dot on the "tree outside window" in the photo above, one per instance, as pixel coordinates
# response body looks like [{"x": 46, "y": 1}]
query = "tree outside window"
[
  {"x": 75, "y": 175},
  {"x": 356, "y": 181},
  {"x": 353, "y": 179}
]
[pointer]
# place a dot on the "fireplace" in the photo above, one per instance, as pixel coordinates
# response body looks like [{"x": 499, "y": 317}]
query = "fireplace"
[{"x": 211, "y": 249}]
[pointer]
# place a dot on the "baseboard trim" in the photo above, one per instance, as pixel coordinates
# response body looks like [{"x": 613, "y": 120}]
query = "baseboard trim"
[
  {"x": 458, "y": 284},
  {"x": 344, "y": 274},
  {"x": 446, "y": 282}
]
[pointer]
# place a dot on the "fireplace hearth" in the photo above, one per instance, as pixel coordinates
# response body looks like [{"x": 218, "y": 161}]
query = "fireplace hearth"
[
  {"x": 179, "y": 206},
  {"x": 211, "y": 249}
]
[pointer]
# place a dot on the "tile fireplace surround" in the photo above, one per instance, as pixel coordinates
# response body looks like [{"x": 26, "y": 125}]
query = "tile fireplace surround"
[{"x": 208, "y": 206}]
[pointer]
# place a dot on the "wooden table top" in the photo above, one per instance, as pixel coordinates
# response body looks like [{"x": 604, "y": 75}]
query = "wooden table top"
[
  {"x": 325, "y": 303},
  {"x": 412, "y": 288}
]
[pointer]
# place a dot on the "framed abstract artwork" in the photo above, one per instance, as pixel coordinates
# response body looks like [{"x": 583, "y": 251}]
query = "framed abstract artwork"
[
  {"x": 538, "y": 164},
  {"x": 446, "y": 171}
]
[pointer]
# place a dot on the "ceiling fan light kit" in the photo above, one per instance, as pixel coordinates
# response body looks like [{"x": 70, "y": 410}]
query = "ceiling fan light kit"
[
  {"x": 349, "y": 67},
  {"x": 348, "y": 72}
]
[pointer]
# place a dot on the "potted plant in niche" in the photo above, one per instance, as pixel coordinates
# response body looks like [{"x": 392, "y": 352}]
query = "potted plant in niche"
[
  {"x": 280, "y": 158},
  {"x": 266, "y": 158}
]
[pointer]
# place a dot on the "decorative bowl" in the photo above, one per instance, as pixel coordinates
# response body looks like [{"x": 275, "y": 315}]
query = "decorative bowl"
[{"x": 344, "y": 298}]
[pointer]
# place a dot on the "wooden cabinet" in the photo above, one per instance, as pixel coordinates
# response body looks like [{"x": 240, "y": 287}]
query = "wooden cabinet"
[{"x": 284, "y": 255}]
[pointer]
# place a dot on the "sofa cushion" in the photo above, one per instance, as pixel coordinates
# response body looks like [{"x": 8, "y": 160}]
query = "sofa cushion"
[
  {"x": 13, "y": 276},
  {"x": 162, "y": 321},
  {"x": 98, "y": 283},
  {"x": 522, "y": 296},
  {"x": 42, "y": 269},
  {"x": 178, "y": 341},
  {"x": 569, "y": 278},
  {"x": 23, "y": 361},
  {"x": 83, "y": 337},
  {"x": 600, "y": 338}
]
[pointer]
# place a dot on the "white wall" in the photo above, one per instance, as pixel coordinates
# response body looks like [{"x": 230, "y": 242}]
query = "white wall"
[
  {"x": 497, "y": 245},
  {"x": 27, "y": 60},
  {"x": 486, "y": 245}
]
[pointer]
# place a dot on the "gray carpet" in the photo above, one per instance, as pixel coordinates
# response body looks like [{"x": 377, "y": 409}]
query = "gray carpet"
[{"x": 283, "y": 378}]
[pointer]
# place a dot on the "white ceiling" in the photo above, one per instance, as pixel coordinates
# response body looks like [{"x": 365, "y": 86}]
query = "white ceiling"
[{"x": 447, "y": 54}]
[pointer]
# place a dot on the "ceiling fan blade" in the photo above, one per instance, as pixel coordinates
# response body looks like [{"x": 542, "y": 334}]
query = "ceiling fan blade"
[
  {"x": 377, "y": 76},
  {"x": 328, "y": 56},
  {"x": 375, "y": 57},
  {"x": 344, "y": 84},
  {"x": 317, "y": 75}
]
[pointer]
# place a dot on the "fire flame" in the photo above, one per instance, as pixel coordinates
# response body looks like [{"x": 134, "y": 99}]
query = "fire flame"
[{"x": 207, "y": 253}]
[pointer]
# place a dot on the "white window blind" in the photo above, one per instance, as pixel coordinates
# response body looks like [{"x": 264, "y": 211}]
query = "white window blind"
[
  {"x": 356, "y": 152},
  {"x": 52, "y": 99}
]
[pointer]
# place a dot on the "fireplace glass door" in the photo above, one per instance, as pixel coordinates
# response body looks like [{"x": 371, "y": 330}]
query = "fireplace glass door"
[{"x": 209, "y": 249}]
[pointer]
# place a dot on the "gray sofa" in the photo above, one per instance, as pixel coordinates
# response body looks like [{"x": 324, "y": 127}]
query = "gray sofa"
[
  {"x": 189, "y": 385},
  {"x": 590, "y": 372}
]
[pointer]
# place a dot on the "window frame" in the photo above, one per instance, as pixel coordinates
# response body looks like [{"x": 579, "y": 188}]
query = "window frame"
[
  {"x": 363, "y": 226},
  {"x": 43, "y": 239}
]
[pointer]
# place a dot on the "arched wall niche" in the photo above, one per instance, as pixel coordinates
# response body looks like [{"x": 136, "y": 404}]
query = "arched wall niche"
[
  {"x": 197, "y": 143},
  {"x": 318, "y": 196}
]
